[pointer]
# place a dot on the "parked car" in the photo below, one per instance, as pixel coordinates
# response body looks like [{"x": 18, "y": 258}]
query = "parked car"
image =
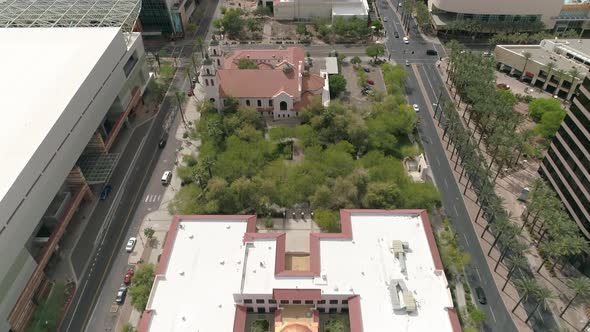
[
  {"x": 396, "y": 35},
  {"x": 406, "y": 40},
  {"x": 416, "y": 107},
  {"x": 384, "y": 19},
  {"x": 128, "y": 275},
  {"x": 481, "y": 296},
  {"x": 431, "y": 52},
  {"x": 105, "y": 192},
  {"x": 367, "y": 70},
  {"x": 407, "y": 63},
  {"x": 371, "y": 82},
  {"x": 121, "y": 294},
  {"x": 166, "y": 177},
  {"x": 189, "y": 92},
  {"x": 131, "y": 244}
]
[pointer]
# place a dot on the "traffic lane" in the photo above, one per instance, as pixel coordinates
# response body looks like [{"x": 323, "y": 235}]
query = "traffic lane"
[
  {"x": 101, "y": 317},
  {"x": 87, "y": 241},
  {"x": 113, "y": 239},
  {"x": 496, "y": 312}
]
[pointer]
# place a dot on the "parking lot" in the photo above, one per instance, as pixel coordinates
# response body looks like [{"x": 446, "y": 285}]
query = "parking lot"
[{"x": 353, "y": 90}]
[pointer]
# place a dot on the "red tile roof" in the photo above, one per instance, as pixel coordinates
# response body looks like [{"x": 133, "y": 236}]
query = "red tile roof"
[{"x": 267, "y": 81}]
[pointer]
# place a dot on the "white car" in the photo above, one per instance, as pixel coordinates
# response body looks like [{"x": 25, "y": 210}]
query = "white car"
[
  {"x": 384, "y": 19},
  {"x": 416, "y": 107},
  {"x": 131, "y": 244},
  {"x": 406, "y": 40}
]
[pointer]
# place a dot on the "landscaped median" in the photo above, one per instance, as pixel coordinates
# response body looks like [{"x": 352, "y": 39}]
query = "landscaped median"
[{"x": 48, "y": 314}]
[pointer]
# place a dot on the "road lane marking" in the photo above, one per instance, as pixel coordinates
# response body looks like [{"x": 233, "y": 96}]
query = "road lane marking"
[
  {"x": 467, "y": 241},
  {"x": 478, "y": 275},
  {"x": 456, "y": 213},
  {"x": 438, "y": 162},
  {"x": 446, "y": 184},
  {"x": 493, "y": 316}
]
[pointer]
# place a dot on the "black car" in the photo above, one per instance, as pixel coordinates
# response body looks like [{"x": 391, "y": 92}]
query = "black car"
[
  {"x": 431, "y": 52},
  {"x": 481, "y": 296},
  {"x": 162, "y": 142},
  {"x": 396, "y": 35},
  {"x": 105, "y": 192}
]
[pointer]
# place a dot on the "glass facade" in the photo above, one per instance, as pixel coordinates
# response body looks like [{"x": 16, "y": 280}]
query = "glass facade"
[
  {"x": 154, "y": 17},
  {"x": 567, "y": 162}
]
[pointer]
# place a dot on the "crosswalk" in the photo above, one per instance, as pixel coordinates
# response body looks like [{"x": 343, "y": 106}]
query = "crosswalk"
[{"x": 152, "y": 198}]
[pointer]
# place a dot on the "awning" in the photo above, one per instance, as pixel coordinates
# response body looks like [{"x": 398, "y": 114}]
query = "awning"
[{"x": 97, "y": 168}]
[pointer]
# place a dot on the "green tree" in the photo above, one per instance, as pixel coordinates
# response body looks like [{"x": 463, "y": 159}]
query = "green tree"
[
  {"x": 477, "y": 316},
  {"x": 550, "y": 123},
  {"x": 375, "y": 51},
  {"x": 231, "y": 22},
  {"x": 254, "y": 24},
  {"x": 337, "y": 85},
  {"x": 260, "y": 325},
  {"x": 128, "y": 327},
  {"x": 148, "y": 232},
  {"x": 527, "y": 56},
  {"x": 245, "y": 63},
  {"x": 335, "y": 325},
  {"x": 355, "y": 61},
  {"x": 526, "y": 288},
  {"x": 327, "y": 220},
  {"x": 540, "y": 106},
  {"x": 302, "y": 30},
  {"x": 141, "y": 285},
  {"x": 581, "y": 288},
  {"x": 542, "y": 296},
  {"x": 377, "y": 25}
]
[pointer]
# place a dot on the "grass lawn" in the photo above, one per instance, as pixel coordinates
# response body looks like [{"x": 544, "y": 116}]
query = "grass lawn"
[{"x": 48, "y": 313}]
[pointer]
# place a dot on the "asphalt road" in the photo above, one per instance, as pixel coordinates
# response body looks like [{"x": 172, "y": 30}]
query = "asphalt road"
[
  {"x": 497, "y": 317},
  {"x": 117, "y": 224}
]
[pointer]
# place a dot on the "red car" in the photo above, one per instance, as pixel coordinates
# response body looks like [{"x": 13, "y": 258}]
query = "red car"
[
  {"x": 371, "y": 82},
  {"x": 128, "y": 276},
  {"x": 189, "y": 92}
]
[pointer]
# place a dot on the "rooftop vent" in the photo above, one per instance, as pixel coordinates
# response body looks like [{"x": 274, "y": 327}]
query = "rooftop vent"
[
  {"x": 181, "y": 273},
  {"x": 222, "y": 262}
]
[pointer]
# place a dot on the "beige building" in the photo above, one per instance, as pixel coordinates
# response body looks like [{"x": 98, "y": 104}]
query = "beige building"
[
  {"x": 308, "y": 9},
  {"x": 495, "y": 11},
  {"x": 566, "y": 55}
]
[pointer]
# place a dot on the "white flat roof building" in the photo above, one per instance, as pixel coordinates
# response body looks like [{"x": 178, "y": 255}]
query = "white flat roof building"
[
  {"x": 381, "y": 269},
  {"x": 59, "y": 87}
]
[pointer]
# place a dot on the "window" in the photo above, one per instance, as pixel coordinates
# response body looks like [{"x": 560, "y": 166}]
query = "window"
[
  {"x": 247, "y": 102},
  {"x": 130, "y": 64},
  {"x": 259, "y": 103},
  {"x": 214, "y": 51},
  {"x": 247, "y": 301},
  {"x": 270, "y": 103},
  {"x": 218, "y": 62},
  {"x": 206, "y": 82},
  {"x": 208, "y": 71},
  {"x": 272, "y": 301},
  {"x": 260, "y": 301},
  {"x": 284, "y": 301},
  {"x": 296, "y": 302},
  {"x": 261, "y": 310},
  {"x": 344, "y": 301},
  {"x": 333, "y": 301},
  {"x": 322, "y": 302},
  {"x": 212, "y": 82},
  {"x": 333, "y": 310},
  {"x": 283, "y": 106},
  {"x": 308, "y": 302},
  {"x": 249, "y": 309}
]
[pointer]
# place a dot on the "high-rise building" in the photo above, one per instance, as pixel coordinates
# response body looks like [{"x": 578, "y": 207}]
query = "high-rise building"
[
  {"x": 566, "y": 166},
  {"x": 89, "y": 74},
  {"x": 166, "y": 17}
]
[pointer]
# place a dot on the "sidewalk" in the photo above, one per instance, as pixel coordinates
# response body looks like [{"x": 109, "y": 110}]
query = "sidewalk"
[
  {"x": 160, "y": 219},
  {"x": 508, "y": 186}
]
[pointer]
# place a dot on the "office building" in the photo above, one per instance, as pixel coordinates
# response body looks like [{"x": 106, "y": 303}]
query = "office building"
[
  {"x": 382, "y": 271},
  {"x": 73, "y": 74}
]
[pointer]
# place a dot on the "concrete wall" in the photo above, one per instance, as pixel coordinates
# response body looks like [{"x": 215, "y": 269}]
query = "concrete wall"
[
  {"x": 48, "y": 168},
  {"x": 546, "y": 8}
]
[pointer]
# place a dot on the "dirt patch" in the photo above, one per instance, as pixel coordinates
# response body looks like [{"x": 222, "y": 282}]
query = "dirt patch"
[
  {"x": 296, "y": 262},
  {"x": 245, "y": 5}
]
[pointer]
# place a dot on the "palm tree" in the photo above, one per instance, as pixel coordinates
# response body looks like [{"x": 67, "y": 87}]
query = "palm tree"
[
  {"x": 527, "y": 56},
  {"x": 550, "y": 249},
  {"x": 199, "y": 43},
  {"x": 574, "y": 73},
  {"x": 180, "y": 99},
  {"x": 526, "y": 287},
  {"x": 542, "y": 295},
  {"x": 517, "y": 263},
  {"x": 581, "y": 287},
  {"x": 550, "y": 67}
]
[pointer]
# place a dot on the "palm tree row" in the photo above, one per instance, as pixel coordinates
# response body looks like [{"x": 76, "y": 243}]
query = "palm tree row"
[
  {"x": 491, "y": 112},
  {"x": 558, "y": 237}
]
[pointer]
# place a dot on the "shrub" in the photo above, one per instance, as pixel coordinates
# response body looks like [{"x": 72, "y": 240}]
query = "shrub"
[
  {"x": 328, "y": 220},
  {"x": 269, "y": 223},
  {"x": 337, "y": 85},
  {"x": 540, "y": 106},
  {"x": 141, "y": 286}
]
